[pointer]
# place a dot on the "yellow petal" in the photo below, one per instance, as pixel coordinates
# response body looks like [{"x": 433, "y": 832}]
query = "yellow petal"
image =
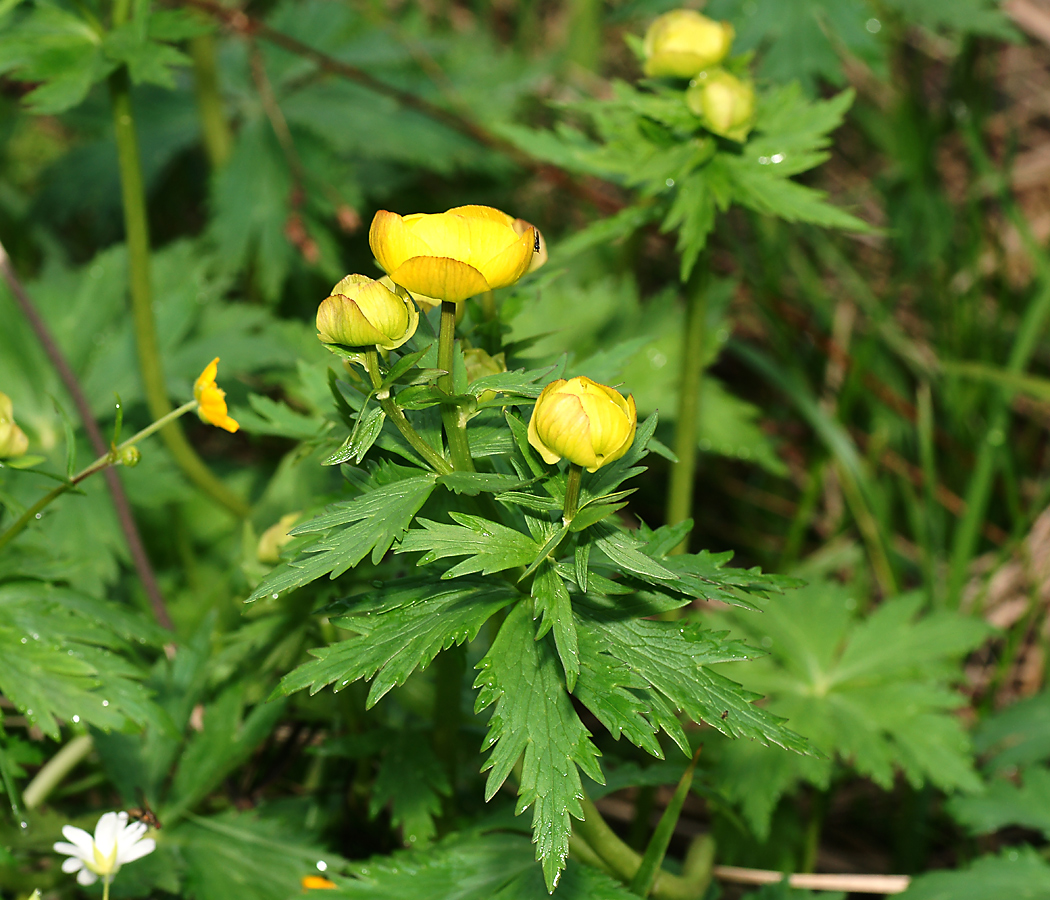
[
  {"x": 444, "y": 234},
  {"x": 435, "y": 276},
  {"x": 207, "y": 377},
  {"x": 563, "y": 426},
  {"x": 393, "y": 242},
  {"x": 483, "y": 212},
  {"x": 510, "y": 263},
  {"x": 341, "y": 321}
]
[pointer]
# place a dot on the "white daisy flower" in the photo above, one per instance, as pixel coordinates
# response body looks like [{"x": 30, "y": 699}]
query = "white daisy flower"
[{"x": 115, "y": 843}]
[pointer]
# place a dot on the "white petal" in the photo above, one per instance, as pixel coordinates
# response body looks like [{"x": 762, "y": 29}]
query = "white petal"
[
  {"x": 85, "y": 876},
  {"x": 142, "y": 848},
  {"x": 72, "y": 864},
  {"x": 130, "y": 833},
  {"x": 106, "y": 832},
  {"x": 80, "y": 838},
  {"x": 70, "y": 850}
]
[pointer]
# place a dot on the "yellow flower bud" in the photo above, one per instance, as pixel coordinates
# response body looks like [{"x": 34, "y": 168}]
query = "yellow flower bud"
[
  {"x": 365, "y": 313},
  {"x": 682, "y": 42},
  {"x": 13, "y": 441},
  {"x": 456, "y": 254},
  {"x": 587, "y": 423},
  {"x": 274, "y": 538},
  {"x": 724, "y": 103}
]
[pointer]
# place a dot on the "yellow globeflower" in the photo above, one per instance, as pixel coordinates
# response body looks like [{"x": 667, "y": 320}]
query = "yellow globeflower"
[
  {"x": 365, "y": 313},
  {"x": 456, "y": 254},
  {"x": 724, "y": 103},
  {"x": 13, "y": 441},
  {"x": 211, "y": 399},
  {"x": 682, "y": 43},
  {"x": 587, "y": 423}
]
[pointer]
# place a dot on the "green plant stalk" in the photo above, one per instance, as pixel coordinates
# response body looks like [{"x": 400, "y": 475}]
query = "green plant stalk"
[
  {"x": 55, "y": 769},
  {"x": 645, "y": 877},
  {"x": 395, "y": 414},
  {"x": 107, "y": 459},
  {"x": 928, "y": 459},
  {"x": 448, "y": 691},
  {"x": 215, "y": 130},
  {"x": 814, "y": 827},
  {"x": 451, "y": 415},
  {"x": 572, "y": 493},
  {"x": 623, "y": 862},
  {"x": 136, "y": 227},
  {"x": 683, "y": 472}
]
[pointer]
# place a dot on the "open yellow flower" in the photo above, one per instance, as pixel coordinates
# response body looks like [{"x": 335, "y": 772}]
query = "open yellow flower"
[
  {"x": 13, "y": 441},
  {"x": 588, "y": 423},
  {"x": 456, "y": 254},
  {"x": 364, "y": 313},
  {"x": 682, "y": 43},
  {"x": 211, "y": 399}
]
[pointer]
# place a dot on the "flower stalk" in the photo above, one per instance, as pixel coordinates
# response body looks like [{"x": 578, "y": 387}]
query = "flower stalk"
[
  {"x": 395, "y": 415},
  {"x": 572, "y": 493},
  {"x": 136, "y": 226},
  {"x": 451, "y": 415},
  {"x": 111, "y": 458},
  {"x": 687, "y": 425}
]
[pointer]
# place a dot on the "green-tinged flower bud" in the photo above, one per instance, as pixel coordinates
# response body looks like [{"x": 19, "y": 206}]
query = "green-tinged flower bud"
[
  {"x": 587, "y": 423},
  {"x": 274, "y": 538},
  {"x": 479, "y": 364},
  {"x": 724, "y": 103},
  {"x": 682, "y": 42},
  {"x": 364, "y": 313},
  {"x": 13, "y": 441},
  {"x": 130, "y": 457}
]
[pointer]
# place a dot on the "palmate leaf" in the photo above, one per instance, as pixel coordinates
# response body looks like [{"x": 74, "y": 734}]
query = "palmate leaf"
[
  {"x": 1020, "y": 874},
  {"x": 673, "y": 660},
  {"x": 60, "y": 659},
  {"x": 491, "y": 547},
  {"x": 375, "y": 520},
  {"x": 412, "y": 781},
  {"x": 1004, "y": 803},
  {"x": 398, "y": 630},
  {"x": 873, "y": 692},
  {"x": 1018, "y": 735},
  {"x": 554, "y": 606},
  {"x": 472, "y": 866},
  {"x": 532, "y": 716},
  {"x": 245, "y": 855}
]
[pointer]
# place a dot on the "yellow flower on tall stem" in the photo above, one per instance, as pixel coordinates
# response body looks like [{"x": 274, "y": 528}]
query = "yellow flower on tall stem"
[
  {"x": 456, "y": 254},
  {"x": 211, "y": 399}
]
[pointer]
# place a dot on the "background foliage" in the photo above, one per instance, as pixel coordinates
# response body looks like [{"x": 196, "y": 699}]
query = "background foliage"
[{"x": 872, "y": 421}]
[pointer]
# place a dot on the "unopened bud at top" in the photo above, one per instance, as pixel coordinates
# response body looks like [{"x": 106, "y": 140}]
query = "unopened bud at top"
[
  {"x": 587, "y": 423},
  {"x": 13, "y": 441},
  {"x": 682, "y": 42},
  {"x": 365, "y": 313},
  {"x": 724, "y": 103}
]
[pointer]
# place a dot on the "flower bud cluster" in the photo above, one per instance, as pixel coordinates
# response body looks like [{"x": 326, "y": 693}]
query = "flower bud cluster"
[{"x": 683, "y": 43}]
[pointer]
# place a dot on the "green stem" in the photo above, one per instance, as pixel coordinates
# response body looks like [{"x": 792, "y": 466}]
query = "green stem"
[
  {"x": 136, "y": 227},
  {"x": 451, "y": 415},
  {"x": 683, "y": 472},
  {"x": 448, "y": 690},
  {"x": 218, "y": 141},
  {"x": 105, "y": 887},
  {"x": 107, "y": 459},
  {"x": 572, "y": 493},
  {"x": 623, "y": 862},
  {"x": 397, "y": 416},
  {"x": 55, "y": 769}
]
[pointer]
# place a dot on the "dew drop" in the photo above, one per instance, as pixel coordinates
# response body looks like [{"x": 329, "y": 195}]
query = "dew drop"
[
  {"x": 776, "y": 158},
  {"x": 322, "y": 866},
  {"x": 105, "y": 703},
  {"x": 25, "y": 640},
  {"x": 23, "y": 825},
  {"x": 763, "y": 160},
  {"x": 275, "y": 596},
  {"x": 669, "y": 182},
  {"x": 76, "y": 720},
  {"x": 38, "y": 516},
  {"x": 874, "y": 26}
]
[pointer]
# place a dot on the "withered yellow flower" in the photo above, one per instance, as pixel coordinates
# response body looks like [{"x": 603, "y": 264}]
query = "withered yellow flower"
[
  {"x": 587, "y": 423},
  {"x": 724, "y": 103},
  {"x": 456, "y": 254},
  {"x": 682, "y": 43},
  {"x": 363, "y": 313},
  {"x": 211, "y": 399},
  {"x": 13, "y": 441}
]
